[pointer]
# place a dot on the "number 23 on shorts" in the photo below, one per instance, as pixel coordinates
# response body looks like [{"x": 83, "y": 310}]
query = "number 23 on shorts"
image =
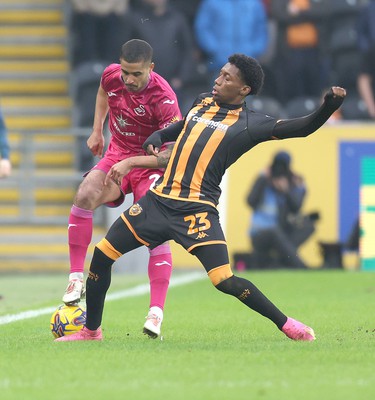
[{"x": 198, "y": 223}]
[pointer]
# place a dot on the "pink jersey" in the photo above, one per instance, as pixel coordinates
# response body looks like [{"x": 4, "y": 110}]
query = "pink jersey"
[{"x": 133, "y": 116}]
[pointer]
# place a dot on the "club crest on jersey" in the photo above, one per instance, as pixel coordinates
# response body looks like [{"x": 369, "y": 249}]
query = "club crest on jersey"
[
  {"x": 140, "y": 110},
  {"x": 135, "y": 210},
  {"x": 207, "y": 102}
]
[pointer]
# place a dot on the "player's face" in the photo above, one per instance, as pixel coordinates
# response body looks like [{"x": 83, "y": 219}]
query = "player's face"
[
  {"x": 135, "y": 75},
  {"x": 229, "y": 87}
]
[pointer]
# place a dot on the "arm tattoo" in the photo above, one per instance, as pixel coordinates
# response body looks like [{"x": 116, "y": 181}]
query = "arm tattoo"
[{"x": 164, "y": 156}]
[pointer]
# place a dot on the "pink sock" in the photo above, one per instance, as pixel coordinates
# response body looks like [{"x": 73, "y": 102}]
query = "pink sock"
[
  {"x": 159, "y": 273},
  {"x": 79, "y": 237}
]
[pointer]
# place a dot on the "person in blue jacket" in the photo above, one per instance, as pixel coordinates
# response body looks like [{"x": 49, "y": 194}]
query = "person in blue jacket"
[
  {"x": 366, "y": 27},
  {"x": 223, "y": 27}
]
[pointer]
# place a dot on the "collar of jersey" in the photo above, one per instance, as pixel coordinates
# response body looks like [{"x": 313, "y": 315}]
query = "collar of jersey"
[{"x": 230, "y": 106}]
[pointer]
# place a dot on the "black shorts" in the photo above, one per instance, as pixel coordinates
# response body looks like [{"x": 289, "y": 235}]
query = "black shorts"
[{"x": 155, "y": 220}]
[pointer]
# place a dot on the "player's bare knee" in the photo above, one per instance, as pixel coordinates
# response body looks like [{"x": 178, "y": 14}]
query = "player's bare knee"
[{"x": 87, "y": 197}]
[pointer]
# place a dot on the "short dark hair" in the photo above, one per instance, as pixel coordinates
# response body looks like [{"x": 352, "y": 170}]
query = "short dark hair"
[
  {"x": 251, "y": 71},
  {"x": 281, "y": 164},
  {"x": 136, "y": 50}
]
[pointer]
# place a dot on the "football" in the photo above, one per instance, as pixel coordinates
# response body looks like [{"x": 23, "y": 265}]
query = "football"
[{"x": 67, "y": 320}]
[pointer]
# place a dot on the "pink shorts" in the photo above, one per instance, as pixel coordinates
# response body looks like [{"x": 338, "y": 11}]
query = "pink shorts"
[{"x": 138, "y": 181}]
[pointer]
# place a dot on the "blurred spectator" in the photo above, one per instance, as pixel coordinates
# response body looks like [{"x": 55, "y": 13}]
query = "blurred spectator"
[
  {"x": 168, "y": 32},
  {"x": 230, "y": 26},
  {"x": 366, "y": 40},
  {"x": 188, "y": 8},
  {"x": 5, "y": 165},
  {"x": 277, "y": 228},
  {"x": 299, "y": 67},
  {"x": 267, "y": 5},
  {"x": 366, "y": 26},
  {"x": 366, "y": 80},
  {"x": 99, "y": 29}
]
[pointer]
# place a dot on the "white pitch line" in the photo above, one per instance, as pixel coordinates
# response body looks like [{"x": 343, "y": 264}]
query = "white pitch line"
[{"x": 132, "y": 292}]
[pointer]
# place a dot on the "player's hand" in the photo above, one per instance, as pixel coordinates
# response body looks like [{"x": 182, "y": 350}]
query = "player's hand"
[
  {"x": 151, "y": 150},
  {"x": 334, "y": 97},
  {"x": 153, "y": 144},
  {"x": 338, "y": 91},
  {"x": 95, "y": 143},
  {"x": 117, "y": 172},
  {"x": 281, "y": 184},
  {"x": 5, "y": 168}
]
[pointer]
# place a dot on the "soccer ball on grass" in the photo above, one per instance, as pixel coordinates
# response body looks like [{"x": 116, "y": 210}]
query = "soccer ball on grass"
[{"x": 67, "y": 320}]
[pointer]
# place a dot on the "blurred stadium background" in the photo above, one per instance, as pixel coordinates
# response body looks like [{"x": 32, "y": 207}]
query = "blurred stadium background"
[{"x": 48, "y": 107}]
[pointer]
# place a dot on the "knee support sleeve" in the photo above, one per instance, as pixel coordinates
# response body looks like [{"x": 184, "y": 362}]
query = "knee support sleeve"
[
  {"x": 105, "y": 247},
  {"x": 220, "y": 274}
]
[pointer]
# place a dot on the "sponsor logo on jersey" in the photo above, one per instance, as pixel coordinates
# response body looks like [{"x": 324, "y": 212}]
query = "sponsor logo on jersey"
[
  {"x": 217, "y": 125},
  {"x": 127, "y": 133},
  {"x": 191, "y": 114},
  {"x": 110, "y": 94},
  {"x": 135, "y": 210},
  {"x": 168, "y": 101},
  {"x": 118, "y": 130},
  {"x": 172, "y": 121},
  {"x": 140, "y": 110},
  {"x": 175, "y": 119},
  {"x": 122, "y": 122}
]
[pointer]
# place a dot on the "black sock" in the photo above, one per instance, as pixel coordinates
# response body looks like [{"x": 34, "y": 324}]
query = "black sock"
[
  {"x": 97, "y": 284},
  {"x": 250, "y": 295}
]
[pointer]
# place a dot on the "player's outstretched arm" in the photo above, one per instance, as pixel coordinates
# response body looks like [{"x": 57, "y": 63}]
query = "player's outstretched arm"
[{"x": 304, "y": 126}]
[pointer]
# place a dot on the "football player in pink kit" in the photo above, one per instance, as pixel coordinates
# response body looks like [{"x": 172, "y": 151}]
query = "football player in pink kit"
[{"x": 139, "y": 102}]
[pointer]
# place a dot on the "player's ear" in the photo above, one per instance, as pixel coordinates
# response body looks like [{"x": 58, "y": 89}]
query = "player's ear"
[
  {"x": 152, "y": 65},
  {"x": 245, "y": 90}
]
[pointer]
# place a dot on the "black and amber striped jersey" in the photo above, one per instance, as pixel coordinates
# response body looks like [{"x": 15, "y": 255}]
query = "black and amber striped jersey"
[{"x": 213, "y": 137}]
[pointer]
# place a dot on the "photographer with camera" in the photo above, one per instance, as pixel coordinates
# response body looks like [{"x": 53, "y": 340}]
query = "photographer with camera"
[{"x": 277, "y": 228}]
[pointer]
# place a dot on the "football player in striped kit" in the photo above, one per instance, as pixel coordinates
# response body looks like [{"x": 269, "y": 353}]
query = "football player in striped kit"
[{"x": 217, "y": 130}]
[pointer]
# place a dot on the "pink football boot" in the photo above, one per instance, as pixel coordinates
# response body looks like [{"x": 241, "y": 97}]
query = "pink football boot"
[
  {"x": 83, "y": 334},
  {"x": 298, "y": 331}
]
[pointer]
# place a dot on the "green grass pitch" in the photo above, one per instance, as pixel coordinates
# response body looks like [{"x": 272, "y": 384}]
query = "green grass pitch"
[{"x": 213, "y": 347}]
